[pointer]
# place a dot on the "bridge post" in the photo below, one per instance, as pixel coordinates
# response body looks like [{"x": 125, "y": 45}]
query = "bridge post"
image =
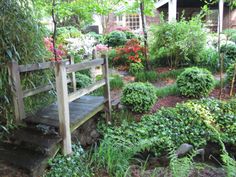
[
  {"x": 107, "y": 94},
  {"x": 14, "y": 81},
  {"x": 63, "y": 106}
]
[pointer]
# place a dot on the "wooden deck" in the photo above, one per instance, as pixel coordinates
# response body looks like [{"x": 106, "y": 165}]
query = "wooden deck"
[{"x": 80, "y": 111}]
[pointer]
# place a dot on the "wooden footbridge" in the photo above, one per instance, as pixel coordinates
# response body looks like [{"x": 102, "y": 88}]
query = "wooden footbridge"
[{"x": 72, "y": 109}]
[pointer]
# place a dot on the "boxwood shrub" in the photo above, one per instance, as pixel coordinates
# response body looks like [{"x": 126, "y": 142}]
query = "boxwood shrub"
[
  {"x": 116, "y": 38},
  {"x": 195, "y": 82},
  {"x": 139, "y": 97}
]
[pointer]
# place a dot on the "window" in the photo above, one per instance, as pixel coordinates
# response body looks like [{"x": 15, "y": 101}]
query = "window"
[{"x": 133, "y": 21}]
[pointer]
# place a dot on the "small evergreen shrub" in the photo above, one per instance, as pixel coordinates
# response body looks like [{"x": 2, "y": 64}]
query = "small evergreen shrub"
[
  {"x": 230, "y": 74},
  {"x": 229, "y": 52},
  {"x": 139, "y": 97},
  {"x": 195, "y": 82},
  {"x": 82, "y": 80},
  {"x": 150, "y": 76},
  {"x": 130, "y": 35},
  {"x": 115, "y": 38},
  {"x": 135, "y": 68}
]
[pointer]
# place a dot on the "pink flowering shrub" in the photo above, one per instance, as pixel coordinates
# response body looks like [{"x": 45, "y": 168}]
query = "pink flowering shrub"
[{"x": 60, "y": 52}]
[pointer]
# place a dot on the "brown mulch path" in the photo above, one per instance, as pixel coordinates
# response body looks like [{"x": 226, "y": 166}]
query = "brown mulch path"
[
  {"x": 169, "y": 101},
  {"x": 225, "y": 93}
]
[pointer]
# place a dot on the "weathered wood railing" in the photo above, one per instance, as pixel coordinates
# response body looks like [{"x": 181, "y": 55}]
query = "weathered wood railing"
[{"x": 62, "y": 69}]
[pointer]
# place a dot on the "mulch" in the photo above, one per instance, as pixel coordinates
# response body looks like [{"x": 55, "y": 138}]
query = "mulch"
[{"x": 169, "y": 101}]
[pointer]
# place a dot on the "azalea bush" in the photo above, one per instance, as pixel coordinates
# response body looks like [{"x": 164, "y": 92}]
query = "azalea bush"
[
  {"x": 132, "y": 52},
  {"x": 81, "y": 47}
]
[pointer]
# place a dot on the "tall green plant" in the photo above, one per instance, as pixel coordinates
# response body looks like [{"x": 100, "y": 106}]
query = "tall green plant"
[{"x": 21, "y": 39}]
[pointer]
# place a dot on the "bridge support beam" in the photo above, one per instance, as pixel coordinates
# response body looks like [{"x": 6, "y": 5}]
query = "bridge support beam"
[{"x": 63, "y": 107}]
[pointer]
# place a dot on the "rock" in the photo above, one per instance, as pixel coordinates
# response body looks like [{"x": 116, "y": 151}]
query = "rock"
[
  {"x": 202, "y": 153},
  {"x": 183, "y": 149}
]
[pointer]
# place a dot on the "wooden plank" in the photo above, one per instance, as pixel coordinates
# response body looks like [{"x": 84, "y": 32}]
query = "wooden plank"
[
  {"x": 14, "y": 80},
  {"x": 160, "y": 3},
  {"x": 75, "y": 95},
  {"x": 84, "y": 65},
  {"x": 36, "y": 66},
  {"x": 77, "y": 124},
  {"x": 63, "y": 107},
  {"x": 34, "y": 91},
  {"x": 107, "y": 93}
]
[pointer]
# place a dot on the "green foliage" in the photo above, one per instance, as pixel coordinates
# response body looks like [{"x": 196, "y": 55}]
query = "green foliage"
[
  {"x": 180, "y": 167},
  {"x": 231, "y": 34},
  {"x": 130, "y": 35},
  {"x": 70, "y": 166},
  {"x": 21, "y": 39},
  {"x": 230, "y": 74},
  {"x": 144, "y": 76},
  {"x": 178, "y": 43},
  {"x": 82, "y": 80},
  {"x": 186, "y": 123},
  {"x": 115, "y": 157},
  {"x": 135, "y": 68},
  {"x": 195, "y": 82},
  {"x": 115, "y": 39},
  {"x": 173, "y": 74},
  {"x": 167, "y": 91},
  {"x": 138, "y": 96},
  {"x": 209, "y": 59},
  {"x": 116, "y": 82},
  {"x": 229, "y": 53},
  {"x": 67, "y": 32}
]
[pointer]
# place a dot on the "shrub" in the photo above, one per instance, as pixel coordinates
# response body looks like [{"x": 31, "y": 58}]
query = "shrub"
[
  {"x": 186, "y": 123},
  {"x": 135, "y": 68},
  {"x": 230, "y": 74},
  {"x": 150, "y": 76},
  {"x": 229, "y": 51},
  {"x": 138, "y": 96},
  {"x": 178, "y": 43},
  {"x": 132, "y": 52},
  {"x": 195, "y": 82},
  {"x": 130, "y": 35},
  {"x": 115, "y": 39},
  {"x": 64, "y": 33},
  {"x": 209, "y": 59},
  {"x": 82, "y": 80}
]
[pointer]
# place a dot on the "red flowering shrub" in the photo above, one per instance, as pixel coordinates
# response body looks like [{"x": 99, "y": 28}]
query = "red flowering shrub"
[
  {"x": 132, "y": 52},
  {"x": 60, "y": 52}
]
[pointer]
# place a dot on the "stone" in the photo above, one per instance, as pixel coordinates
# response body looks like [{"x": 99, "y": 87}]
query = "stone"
[{"x": 183, "y": 149}]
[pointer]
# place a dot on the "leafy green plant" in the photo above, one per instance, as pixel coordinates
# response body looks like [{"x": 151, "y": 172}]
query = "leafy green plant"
[
  {"x": 195, "y": 82},
  {"x": 138, "y": 96},
  {"x": 150, "y": 76},
  {"x": 231, "y": 34},
  {"x": 135, "y": 68},
  {"x": 115, "y": 39},
  {"x": 177, "y": 43},
  {"x": 70, "y": 166},
  {"x": 82, "y": 80},
  {"x": 229, "y": 53},
  {"x": 66, "y": 32},
  {"x": 130, "y": 35}
]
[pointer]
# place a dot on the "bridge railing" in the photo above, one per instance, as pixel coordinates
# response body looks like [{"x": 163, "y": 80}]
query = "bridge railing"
[{"x": 62, "y": 69}]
